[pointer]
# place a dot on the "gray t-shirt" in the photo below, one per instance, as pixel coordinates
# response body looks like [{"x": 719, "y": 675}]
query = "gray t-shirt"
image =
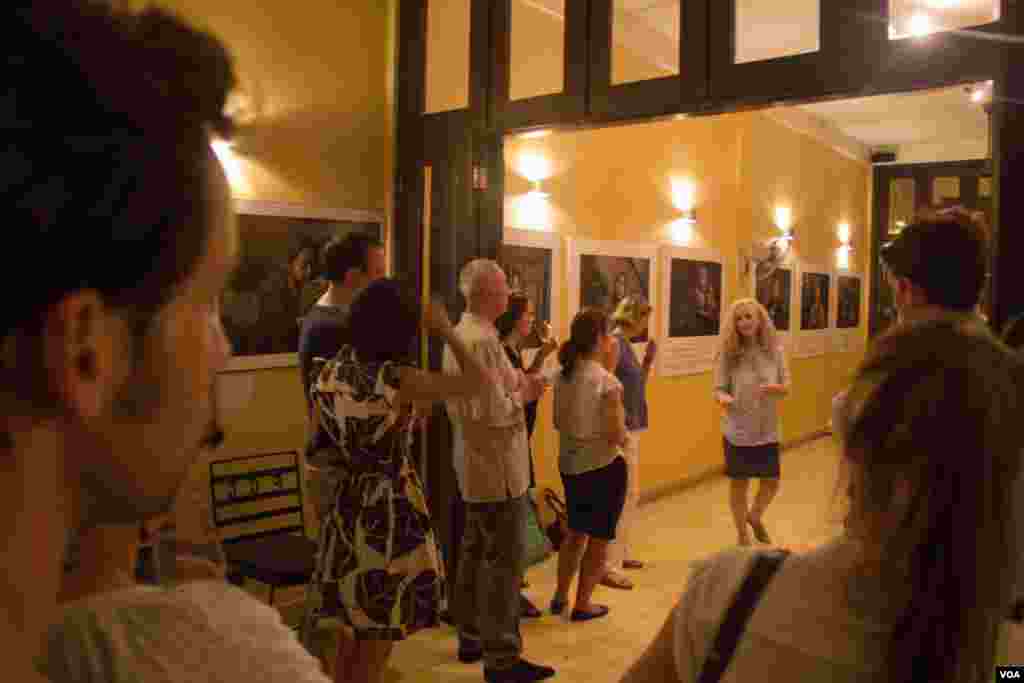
[
  {"x": 753, "y": 418},
  {"x": 810, "y": 624},
  {"x": 200, "y": 632}
]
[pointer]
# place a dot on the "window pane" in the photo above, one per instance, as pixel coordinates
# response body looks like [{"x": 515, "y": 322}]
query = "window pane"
[
  {"x": 537, "y": 53},
  {"x": 945, "y": 190},
  {"x": 768, "y": 30},
  {"x": 985, "y": 187},
  {"x": 645, "y": 39},
  {"x": 917, "y": 18},
  {"x": 447, "y": 77},
  {"x": 901, "y": 204}
]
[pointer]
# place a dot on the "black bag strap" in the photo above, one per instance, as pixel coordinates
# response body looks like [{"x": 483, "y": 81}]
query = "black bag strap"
[{"x": 735, "y": 622}]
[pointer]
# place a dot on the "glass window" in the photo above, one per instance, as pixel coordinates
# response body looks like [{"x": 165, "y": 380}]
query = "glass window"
[
  {"x": 919, "y": 18},
  {"x": 985, "y": 187},
  {"x": 946, "y": 191},
  {"x": 645, "y": 39},
  {"x": 768, "y": 30},
  {"x": 537, "y": 54},
  {"x": 901, "y": 204},
  {"x": 447, "y": 79}
]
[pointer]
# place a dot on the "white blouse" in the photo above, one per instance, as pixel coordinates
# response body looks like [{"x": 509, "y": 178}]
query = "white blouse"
[{"x": 579, "y": 418}]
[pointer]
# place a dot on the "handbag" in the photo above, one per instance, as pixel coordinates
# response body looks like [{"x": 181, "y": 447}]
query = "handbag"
[
  {"x": 743, "y": 604},
  {"x": 556, "y": 530},
  {"x": 538, "y": 547}
]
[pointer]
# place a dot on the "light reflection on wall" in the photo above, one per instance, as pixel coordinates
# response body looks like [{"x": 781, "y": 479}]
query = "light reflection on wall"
[{"x": 232, "y": 167}]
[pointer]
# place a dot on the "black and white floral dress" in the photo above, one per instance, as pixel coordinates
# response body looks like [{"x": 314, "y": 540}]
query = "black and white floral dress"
[{"x": 380, "y": 564}]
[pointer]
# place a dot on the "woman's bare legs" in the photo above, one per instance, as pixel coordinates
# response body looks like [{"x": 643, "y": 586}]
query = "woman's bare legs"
[
  {"x": 593, "y": 568},
  {"x": 766, "y": 492},
  {"x": 366, "y": 662},
  {"x": 738, "y": 502},
  {"x": 570, "y": 555}
]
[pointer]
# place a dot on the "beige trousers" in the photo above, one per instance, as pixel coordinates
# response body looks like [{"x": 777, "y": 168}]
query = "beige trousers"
[{"x": 618, "y": 550}]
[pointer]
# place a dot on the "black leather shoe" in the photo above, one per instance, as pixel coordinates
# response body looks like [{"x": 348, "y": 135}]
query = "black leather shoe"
[
  {"x": 527, "y": 609},
  {"x": 470, "y": 651},
  {"x": 521, "y": 672}
]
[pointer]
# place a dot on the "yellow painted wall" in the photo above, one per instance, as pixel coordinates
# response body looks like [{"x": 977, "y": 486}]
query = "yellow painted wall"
[
  {"x": 318, "y": 131},
  {"x": 614, "y": 184}
]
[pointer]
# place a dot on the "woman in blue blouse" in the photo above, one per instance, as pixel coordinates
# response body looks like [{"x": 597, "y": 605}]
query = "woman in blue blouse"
[{"x": 632, "y": 318}]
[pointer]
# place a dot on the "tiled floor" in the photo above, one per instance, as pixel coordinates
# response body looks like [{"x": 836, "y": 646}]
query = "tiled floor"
[{"x": 671, "y": 533}]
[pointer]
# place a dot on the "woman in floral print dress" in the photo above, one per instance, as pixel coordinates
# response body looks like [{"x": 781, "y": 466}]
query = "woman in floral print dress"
[{"x": 380, "y": 567}]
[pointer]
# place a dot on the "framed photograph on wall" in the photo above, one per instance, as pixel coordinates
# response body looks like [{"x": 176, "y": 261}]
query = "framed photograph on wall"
[
  {"x": 279, "y": 277},
  {"x": 691, "y": 317},
  {"x": 775, "y": 292},
  {"x": 815, "y": 315},
  {"x": 532, "y": 261},
  {"x": 814, "y": 300},
  {"x": 848, "y": 301},
  {"x": 602, "y": 273},
  {"x": 846, "y": 336}
]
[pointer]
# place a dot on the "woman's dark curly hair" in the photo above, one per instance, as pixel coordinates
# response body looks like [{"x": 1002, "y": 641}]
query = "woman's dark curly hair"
[{"x": 384, "y": 322}]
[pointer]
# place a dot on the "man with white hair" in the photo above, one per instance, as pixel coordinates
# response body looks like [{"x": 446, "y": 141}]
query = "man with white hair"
[{"x": 492, "y": 465}]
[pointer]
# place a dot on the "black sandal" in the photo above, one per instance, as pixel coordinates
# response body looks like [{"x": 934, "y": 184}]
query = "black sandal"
[{"x": 579, "y": 615}]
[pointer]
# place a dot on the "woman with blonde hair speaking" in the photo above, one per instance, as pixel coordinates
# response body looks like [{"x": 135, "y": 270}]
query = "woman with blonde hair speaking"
[{"x": 751, "y": 377}]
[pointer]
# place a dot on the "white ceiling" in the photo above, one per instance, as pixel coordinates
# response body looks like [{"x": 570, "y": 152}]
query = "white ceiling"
[
  {"x": 927, "y": 118},
  {"x": 930, "y": 116}
]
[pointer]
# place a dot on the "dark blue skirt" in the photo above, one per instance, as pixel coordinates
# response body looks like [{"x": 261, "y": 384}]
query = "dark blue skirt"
[{"x": 751, "y": 462}]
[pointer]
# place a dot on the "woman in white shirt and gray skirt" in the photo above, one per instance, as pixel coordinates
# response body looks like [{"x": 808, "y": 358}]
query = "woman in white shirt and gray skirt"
[{"x": 751, "y": 377}]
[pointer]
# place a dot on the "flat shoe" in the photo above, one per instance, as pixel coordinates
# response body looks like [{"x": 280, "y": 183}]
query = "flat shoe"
[
  {"x": 632, "y": 564},
  {"x": 527, "y": 608},
  {"x": 470, "y": 652},
  {"x": 760, "y": 533},
  {"x": 521, "y": 672},
  {"x": 579, "y": 615},
  {"x": 557, "y": 607},
  {"x": 613, "y": 580}
]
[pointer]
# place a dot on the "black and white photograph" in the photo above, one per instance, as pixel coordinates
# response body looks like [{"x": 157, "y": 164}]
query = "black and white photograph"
[
  {"x": 607, "y": 280},
  {"x": 278, "y": 279},
  {"x": 775, "y": 293},
  {"x": 695, "y": 298},
  {"x": 529, "y": 271},
  {"x": 814, "y": 301},
  {"x": 848, "y": 290}
]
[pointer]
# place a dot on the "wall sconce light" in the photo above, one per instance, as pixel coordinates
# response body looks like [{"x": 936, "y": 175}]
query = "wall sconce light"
[
  {"x": 534, "y": 134},
  {"x": 784, "y": 222},
  {"x": 536, "y": 192},
  {"x": 843, "y": 253},
  {"x": 684, "y": 199}
]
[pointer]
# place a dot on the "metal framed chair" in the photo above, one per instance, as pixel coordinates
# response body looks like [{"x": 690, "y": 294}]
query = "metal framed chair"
[{"x": 258, "y": 509}]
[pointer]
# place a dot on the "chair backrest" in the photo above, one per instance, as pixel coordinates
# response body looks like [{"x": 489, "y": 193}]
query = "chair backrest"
[{"x": 258, "y": 495}]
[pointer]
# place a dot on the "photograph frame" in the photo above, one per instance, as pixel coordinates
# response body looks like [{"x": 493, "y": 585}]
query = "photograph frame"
[
  {"x": 703, "y": 346},
  {"x": 552, "y": 242},
  {"x": 794, "y": 282},
  {"x": 577, "y": 248},
  {"x": 849, "y": 275},
  {"x": 814, "y": 342},
  {"x": 298, "y": 211}
]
